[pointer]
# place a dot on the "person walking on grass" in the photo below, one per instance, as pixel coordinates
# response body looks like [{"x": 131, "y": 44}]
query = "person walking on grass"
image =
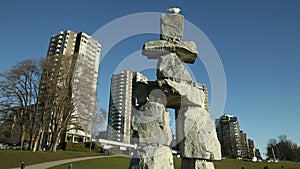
[
  {"x": 22, "y": 165},
  {"x": 70, "y": 166}
]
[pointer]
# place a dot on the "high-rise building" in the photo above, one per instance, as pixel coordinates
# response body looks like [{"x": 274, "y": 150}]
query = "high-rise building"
[
  {"x": 62, "y": 43},
  {"x": 84, "y": 77},
  {"x": 120, "y": 105},
  {"x": 228, "y": 131},
  {"x": 234, "y": 142}
]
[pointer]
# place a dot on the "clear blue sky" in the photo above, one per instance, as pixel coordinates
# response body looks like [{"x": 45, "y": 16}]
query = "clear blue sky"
[{"x": 258, "y": 43}]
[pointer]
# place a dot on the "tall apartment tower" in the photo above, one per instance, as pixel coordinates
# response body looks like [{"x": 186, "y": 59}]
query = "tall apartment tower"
[
  {"x": 228, "y": 131},
  {"x": 85, "y": 76},
  {"x": 120, "y": 105}
]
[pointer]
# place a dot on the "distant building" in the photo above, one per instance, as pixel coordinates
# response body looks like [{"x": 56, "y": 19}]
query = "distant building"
[
  {"x": 84, "y": 77},
  {"x": 244, "y": 144},
  {"x": 252, "y": 151},
  {"x": 120, "y": 105},
  {"x": 234, "y": 142},
  {"x": 228, "y": 131},
  {"x": 257, "y": 153},
  {"x": 251, "y": 148}
]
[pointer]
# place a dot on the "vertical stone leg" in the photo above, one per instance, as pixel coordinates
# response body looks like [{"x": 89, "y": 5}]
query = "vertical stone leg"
[
  {"x": 188, "y": 163},
  {"x": 152, "y": 130},
  {"x": 152, "y": 157},
  {"x": 179, "y": 129},
  {"x": 200, "y": 144}
]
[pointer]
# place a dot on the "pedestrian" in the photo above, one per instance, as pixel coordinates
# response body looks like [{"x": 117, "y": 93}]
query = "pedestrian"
[
  {"x": 70, "y": 166},
  {"x": 22, "y": 165},
  {"x": 243, "y": 167},
  {"x": 282, "y": 167}
]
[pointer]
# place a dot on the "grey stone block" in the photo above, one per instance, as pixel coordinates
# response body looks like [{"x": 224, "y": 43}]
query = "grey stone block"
[
  {"x": 171, "y": 27},
  {"x": 196, "y": 164},
  {"x": 190, "y": 95},
  {"x": 152, "y": 157},
  {"x": 197, "y": 134},
  {"x": 170, "y": 66},
  {"x": 151, "y": 125},
  {"x": 186, "y": 51}
]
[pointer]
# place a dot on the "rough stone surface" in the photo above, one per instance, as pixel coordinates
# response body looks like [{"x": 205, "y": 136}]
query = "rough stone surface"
[
  {"x": 171, "y": 27},
  {"x": 186, "y": 51},
  {"x": 196, "y": 134},
  {"x": 152, "y": 157},
  {"x": 170, "y": 66},
  {"x": 195, "y": 131},
  {"x": 196, "y": 164},
  {"x": 150, "y": 125},
  {"x": 190, "y": 95}
]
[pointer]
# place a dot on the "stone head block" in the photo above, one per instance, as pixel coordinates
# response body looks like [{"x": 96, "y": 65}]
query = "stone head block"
[{"x": 171, "y": 27}]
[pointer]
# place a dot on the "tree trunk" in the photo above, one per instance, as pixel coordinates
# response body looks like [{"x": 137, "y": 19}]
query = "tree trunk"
[
  {"x": 41, "y": 139},
  {"x": 31, "y": 140},
  {"x": 54, "y": 142},
  {"x": 54, "y": 146},
  {"x": 37, "y": 138},
  {"x": 23, "y": 133}
]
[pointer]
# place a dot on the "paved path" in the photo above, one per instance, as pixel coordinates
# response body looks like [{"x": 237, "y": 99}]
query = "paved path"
[{"x": 59, "y": 162}]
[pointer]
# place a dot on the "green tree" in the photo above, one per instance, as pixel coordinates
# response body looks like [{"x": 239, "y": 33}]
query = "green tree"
[{"x": 283, "y": 149}]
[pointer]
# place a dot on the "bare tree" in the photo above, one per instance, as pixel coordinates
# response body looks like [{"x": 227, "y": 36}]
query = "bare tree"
[
  {"x": 56, "y": 97},
  {"x": 9, "y": 131},
  {"x": 68, "y": 97},
  {"x": 88, "y": 114},
  {"x": 44, "y": 106},
  {"x": 19, "y": 90},
  {"x": 98, "y": 122}
]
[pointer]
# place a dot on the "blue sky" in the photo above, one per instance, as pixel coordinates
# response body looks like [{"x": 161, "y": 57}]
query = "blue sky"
[{"x": 258, "y": 43}]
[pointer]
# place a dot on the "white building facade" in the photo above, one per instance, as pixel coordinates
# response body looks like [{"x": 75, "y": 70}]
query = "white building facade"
[{"x": 120, "y": 105}]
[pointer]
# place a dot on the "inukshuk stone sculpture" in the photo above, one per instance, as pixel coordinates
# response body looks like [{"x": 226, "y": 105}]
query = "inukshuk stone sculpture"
[{"x": 174, "y": 88}]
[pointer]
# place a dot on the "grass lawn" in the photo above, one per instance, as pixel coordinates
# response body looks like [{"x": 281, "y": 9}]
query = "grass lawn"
[
  {"x": 106, "y": 163},
  {"x": 238, "y": 164},
  {"x": 123, "y": 163},
  {"x": 103, "y": 163},
  {"x": 13, "y": 158}
]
